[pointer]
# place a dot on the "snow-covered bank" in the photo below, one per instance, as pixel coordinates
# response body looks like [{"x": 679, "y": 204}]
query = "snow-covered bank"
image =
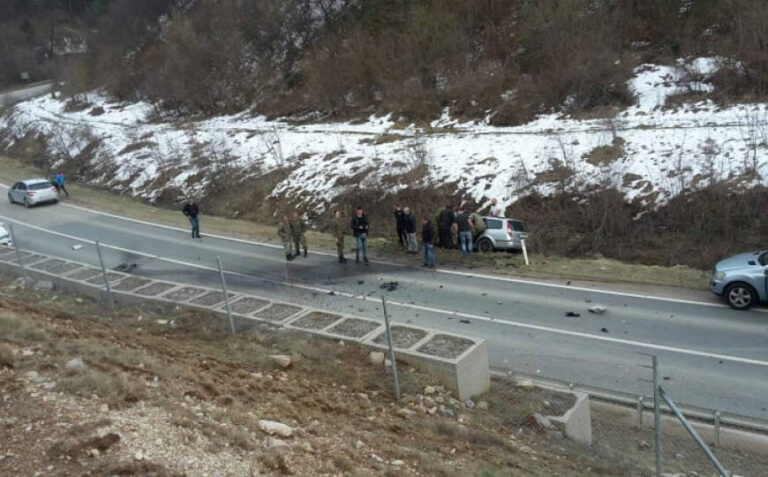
[{"x": 650, "y": 154}]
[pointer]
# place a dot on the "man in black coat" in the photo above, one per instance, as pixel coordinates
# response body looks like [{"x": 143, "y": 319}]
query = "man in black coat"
[
  {"x": 409, "y": 222},
  {"x": 428, "y": 242},
  {"x": 400, "y": 226},
  {"x": 360, "y": 227},
  {"x": 447, "y": 218},
  {"x": 191, "y": 211}
]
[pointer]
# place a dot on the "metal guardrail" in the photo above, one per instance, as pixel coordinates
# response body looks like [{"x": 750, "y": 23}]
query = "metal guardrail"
[{"x": 699, "y": 414}]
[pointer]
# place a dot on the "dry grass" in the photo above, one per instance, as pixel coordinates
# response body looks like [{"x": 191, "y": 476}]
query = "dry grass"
[
  {"x": 115, "y": 390},
  {"x": 16, "y": 329}
]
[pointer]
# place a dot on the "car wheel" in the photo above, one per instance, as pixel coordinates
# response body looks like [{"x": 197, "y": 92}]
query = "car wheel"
[
  {"x": 485, "y": 245},
  {"x": 740, "y": 296}
]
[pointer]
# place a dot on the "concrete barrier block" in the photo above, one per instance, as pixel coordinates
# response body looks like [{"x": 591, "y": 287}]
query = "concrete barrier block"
[{"x": 576, "y": 423}]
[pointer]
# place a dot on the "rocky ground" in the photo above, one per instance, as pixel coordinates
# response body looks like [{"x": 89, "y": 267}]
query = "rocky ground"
[{"x": 167, "y": 392}]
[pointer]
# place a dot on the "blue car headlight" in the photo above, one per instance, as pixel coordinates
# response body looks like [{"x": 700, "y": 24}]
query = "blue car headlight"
[{"x": 719, "y": 275}]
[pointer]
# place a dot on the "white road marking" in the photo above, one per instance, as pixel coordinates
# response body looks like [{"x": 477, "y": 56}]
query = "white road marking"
[{"x": 547, "y": 329}]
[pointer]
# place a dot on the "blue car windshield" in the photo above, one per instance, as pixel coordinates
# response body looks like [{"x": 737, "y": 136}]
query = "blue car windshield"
[{"x": 763, "y": 259}]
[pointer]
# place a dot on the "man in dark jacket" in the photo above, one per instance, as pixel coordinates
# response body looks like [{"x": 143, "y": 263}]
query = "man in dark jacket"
[
  {"x": 409, "y": 222},
  {"x": 359, "y": 224},
  {"x": 465, "y": 228},
  {"x": 400, "y": 226},
  {"x": 447, "y": 218},
  {"x": 428, "y": 242},
  {"x": 191, "y": 211}
]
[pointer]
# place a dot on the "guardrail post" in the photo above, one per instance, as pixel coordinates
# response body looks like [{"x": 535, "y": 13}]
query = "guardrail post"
[
  {"x": 226, "y": 296},
  {"x": 717, "y": 428},
  {"x": 391, "y": 349},
  {"x": 110, "y": 301},
  {"x": 525, "y": 252},
  {"x": 640, "y": 412},
  {"x": 18, "y": 255},
  {"x": 656, "y": 417}
]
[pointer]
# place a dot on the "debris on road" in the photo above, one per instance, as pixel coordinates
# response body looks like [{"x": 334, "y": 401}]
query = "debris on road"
[
  {"x": 389, "y": 286},
  {"x": 598, "y": 309},
  {"x": 361, "y": 282},
  {"x": 331, "y": 293},
  {"x": 604, "y": 330},
  {"x": 77, "y": 247},
  {"x": 572, "y": 314},
  {"x": 466, "y": 322},
  {"x": 125, "y": 267}
]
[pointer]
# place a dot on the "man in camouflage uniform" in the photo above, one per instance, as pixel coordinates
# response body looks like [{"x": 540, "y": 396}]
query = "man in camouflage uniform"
[
  {"x": 297, "y": 230},
  {"x": 284, "y": 231},
  {"x": 338, "y": 227}
]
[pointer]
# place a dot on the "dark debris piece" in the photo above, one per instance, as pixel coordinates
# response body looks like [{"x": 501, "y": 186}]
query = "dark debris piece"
[
  {"x": 572, "y": 314},
  {"x": 604, "y": 330},
  {"x": 389, "y": 286}
]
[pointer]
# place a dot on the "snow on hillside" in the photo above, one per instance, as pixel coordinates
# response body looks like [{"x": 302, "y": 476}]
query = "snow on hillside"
[{"x": 647, "y": 152}]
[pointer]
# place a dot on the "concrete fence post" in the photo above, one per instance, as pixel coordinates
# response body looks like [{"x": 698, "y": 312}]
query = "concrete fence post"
[{"x": 640, "y": 412}]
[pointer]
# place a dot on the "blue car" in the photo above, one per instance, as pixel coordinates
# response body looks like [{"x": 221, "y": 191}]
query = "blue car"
[{"x": 742, "y": 279}]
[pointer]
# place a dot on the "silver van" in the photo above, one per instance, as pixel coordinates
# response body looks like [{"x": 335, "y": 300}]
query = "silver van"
[{"x": 501, "y": 233}]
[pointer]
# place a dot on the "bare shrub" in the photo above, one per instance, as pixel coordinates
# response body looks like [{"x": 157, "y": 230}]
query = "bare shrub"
[{"x": 6, "y": 356}]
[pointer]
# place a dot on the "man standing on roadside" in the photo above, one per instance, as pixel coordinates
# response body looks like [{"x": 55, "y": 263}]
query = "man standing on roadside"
[
  {"x": 400, "y": 226},
  {"x": 191, "y": 211},
  {"x": 409, "y": 223},
  {"x": 61, "y": 183},
  {"x": 360, "y": 229},
  {"x": 466, "y": 227},
  {"x": 297, "y": 230},
  {"x": 284, "y": 231},
  {"x": 447, "y": 218},
  {"x": 338, "y": 228},
  {"x": 428, "y": 242}
]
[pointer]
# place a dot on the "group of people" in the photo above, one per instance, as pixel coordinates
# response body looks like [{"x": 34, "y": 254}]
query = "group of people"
[
  {"x": 292, "y": 233},
  {"x": 454, "y": 229}
]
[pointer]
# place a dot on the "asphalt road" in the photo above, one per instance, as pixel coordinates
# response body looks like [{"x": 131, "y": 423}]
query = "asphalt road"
[
  {"x": 9, "y": 98},
  {"x": 710, "y": 356}
]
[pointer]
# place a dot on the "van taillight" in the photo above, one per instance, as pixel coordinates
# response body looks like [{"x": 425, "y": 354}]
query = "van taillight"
[{"x": 510, "y": 232}]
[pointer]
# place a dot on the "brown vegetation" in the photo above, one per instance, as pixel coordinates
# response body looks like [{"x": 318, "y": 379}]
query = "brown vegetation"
[
  {"x": 695, "y": 228},
  {"x": 346, "y": 59}
]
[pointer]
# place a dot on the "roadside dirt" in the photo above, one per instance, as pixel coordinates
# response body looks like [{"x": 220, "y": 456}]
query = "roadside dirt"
[{"x": 166, "y": 392}]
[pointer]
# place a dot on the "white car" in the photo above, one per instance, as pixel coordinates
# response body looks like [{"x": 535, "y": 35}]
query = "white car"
[
  {"x": 5, "y": 237},
  {"x": 32, "y": 192}
]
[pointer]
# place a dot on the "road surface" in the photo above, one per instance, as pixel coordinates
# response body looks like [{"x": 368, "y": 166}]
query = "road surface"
[
  {"x": 710, "y": 356},
  {"x": 9, "y": 98}
]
